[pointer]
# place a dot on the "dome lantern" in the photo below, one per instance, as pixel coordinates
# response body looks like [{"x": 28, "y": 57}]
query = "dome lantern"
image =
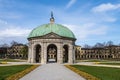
[{"x": 52, "y": 18}]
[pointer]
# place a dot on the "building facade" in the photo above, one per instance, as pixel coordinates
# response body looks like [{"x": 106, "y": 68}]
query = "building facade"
[
  {"x": 108, "y": 52},
  {"x": 51, "y": 43},
  {"x": 3, "y": 52},
  {"x": 18, "y": 51}
]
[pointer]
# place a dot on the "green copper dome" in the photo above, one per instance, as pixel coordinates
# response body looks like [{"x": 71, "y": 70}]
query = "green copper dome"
[{"x": 48, "y": 28}]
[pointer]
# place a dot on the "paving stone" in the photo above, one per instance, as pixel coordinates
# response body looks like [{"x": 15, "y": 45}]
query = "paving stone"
[{"x": 52, "y": 72}]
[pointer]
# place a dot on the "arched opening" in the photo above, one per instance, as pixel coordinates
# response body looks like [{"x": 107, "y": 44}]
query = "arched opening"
[
  {"x": 38, "y": 53},
  {"x": 51, "y": 53},
  {"x": 65, "y": 54}
]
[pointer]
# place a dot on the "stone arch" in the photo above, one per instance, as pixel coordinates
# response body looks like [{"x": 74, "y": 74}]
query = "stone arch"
[
  {"x": 37, "y": 53},
  {"x": 65, "y": 53},
  {"x": 51, "y": 53},
  {"x": 110, "y": 56}
]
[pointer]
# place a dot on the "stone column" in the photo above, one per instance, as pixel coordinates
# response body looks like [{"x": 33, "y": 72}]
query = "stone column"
[
  {"x": 29, "y": 53},
  {"x": 59, "y": 53},
  {"x": 73, "y": 55},
  {"x": 32, "y": 54},
  {"x": 44, "y": 53},
  {"x": 70, "y": 57}
]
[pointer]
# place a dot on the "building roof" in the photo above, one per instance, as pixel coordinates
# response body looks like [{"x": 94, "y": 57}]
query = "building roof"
[{"x": 48, "y": 28}]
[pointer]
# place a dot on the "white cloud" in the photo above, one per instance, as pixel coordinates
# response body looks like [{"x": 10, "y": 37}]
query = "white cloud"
[
  {"x": 105, "y": 7},
  {"x": 3, "y": 22},
  {"x": 14, "y": 32},
  {"x": 109, "y": 19},
  {"x": 89, "y": 29},
  {"x": 70, "y": 3}
]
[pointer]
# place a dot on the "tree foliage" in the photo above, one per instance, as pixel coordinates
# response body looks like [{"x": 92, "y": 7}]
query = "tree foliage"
[{"x": 24, "y": 50}]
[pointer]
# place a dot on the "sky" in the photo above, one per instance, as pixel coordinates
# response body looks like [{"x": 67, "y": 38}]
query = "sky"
[{"x": 91, "y": 21}]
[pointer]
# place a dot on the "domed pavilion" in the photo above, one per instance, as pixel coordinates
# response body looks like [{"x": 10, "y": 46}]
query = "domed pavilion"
[{"x": 51, "y": 43}]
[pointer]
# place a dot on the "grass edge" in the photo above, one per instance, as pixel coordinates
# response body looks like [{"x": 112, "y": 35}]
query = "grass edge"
[
  {"x": 19, "y": 75},
  {"x": 81, "y": 73}
]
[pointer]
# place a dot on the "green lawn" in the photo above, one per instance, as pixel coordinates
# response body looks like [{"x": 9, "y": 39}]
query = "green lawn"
[
  {"x": 9, "y": 60},
  {"x": 104, "y": 73},
  {"x": 6, "y": 71},
  {"x": 111, "y": 63},
  {"x": 93, "y": 60}
]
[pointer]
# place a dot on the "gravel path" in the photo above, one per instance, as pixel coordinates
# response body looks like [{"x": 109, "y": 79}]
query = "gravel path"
[{"x": 52, "y": 72}]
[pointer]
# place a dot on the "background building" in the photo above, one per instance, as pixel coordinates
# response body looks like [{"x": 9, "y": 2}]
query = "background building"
[
  {"x": 17, "y": 51},
  {"x": 106, "y": 52},
  {"x": 3, "y": 52},
  {"x": 14, "y": 51}
]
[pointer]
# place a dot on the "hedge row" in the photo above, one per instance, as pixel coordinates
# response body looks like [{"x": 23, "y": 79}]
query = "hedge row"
[
  {"x": 83, "y": 74},
  {"x": 19, "y": 75}
]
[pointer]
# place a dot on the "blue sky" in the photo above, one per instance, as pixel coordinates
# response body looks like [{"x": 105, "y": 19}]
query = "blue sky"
[{"x": 91, "y": 21}]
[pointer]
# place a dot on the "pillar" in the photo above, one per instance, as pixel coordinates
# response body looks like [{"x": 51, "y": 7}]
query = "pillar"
[
  {"x": 29, "y": 53},
  {"x": 44, "y": 53},
  {"x": 59, "y": 53},
  {"x": 73, "y": 55},
  {"x": 32, "y": 53},
  {"x": 70, "y": 55}
]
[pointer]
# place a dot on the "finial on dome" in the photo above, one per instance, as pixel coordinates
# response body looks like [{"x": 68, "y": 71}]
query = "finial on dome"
[{"x": 52, "y": 18}]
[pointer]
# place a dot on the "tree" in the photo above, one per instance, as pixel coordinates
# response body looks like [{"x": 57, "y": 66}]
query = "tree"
[
  {"x": 109, "y": 43},
  {"x": 14, "y": 43},
  {"x": 5, "y": 45},
  {"x": 87, "y": 46},
  {"x": 99, "y": 45},
  {"x": 104, "y": 44},
  {"x": 24, "y": 51}
]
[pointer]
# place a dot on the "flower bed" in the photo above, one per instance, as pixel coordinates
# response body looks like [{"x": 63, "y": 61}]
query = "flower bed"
[{"x": 3, "y": 62}]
